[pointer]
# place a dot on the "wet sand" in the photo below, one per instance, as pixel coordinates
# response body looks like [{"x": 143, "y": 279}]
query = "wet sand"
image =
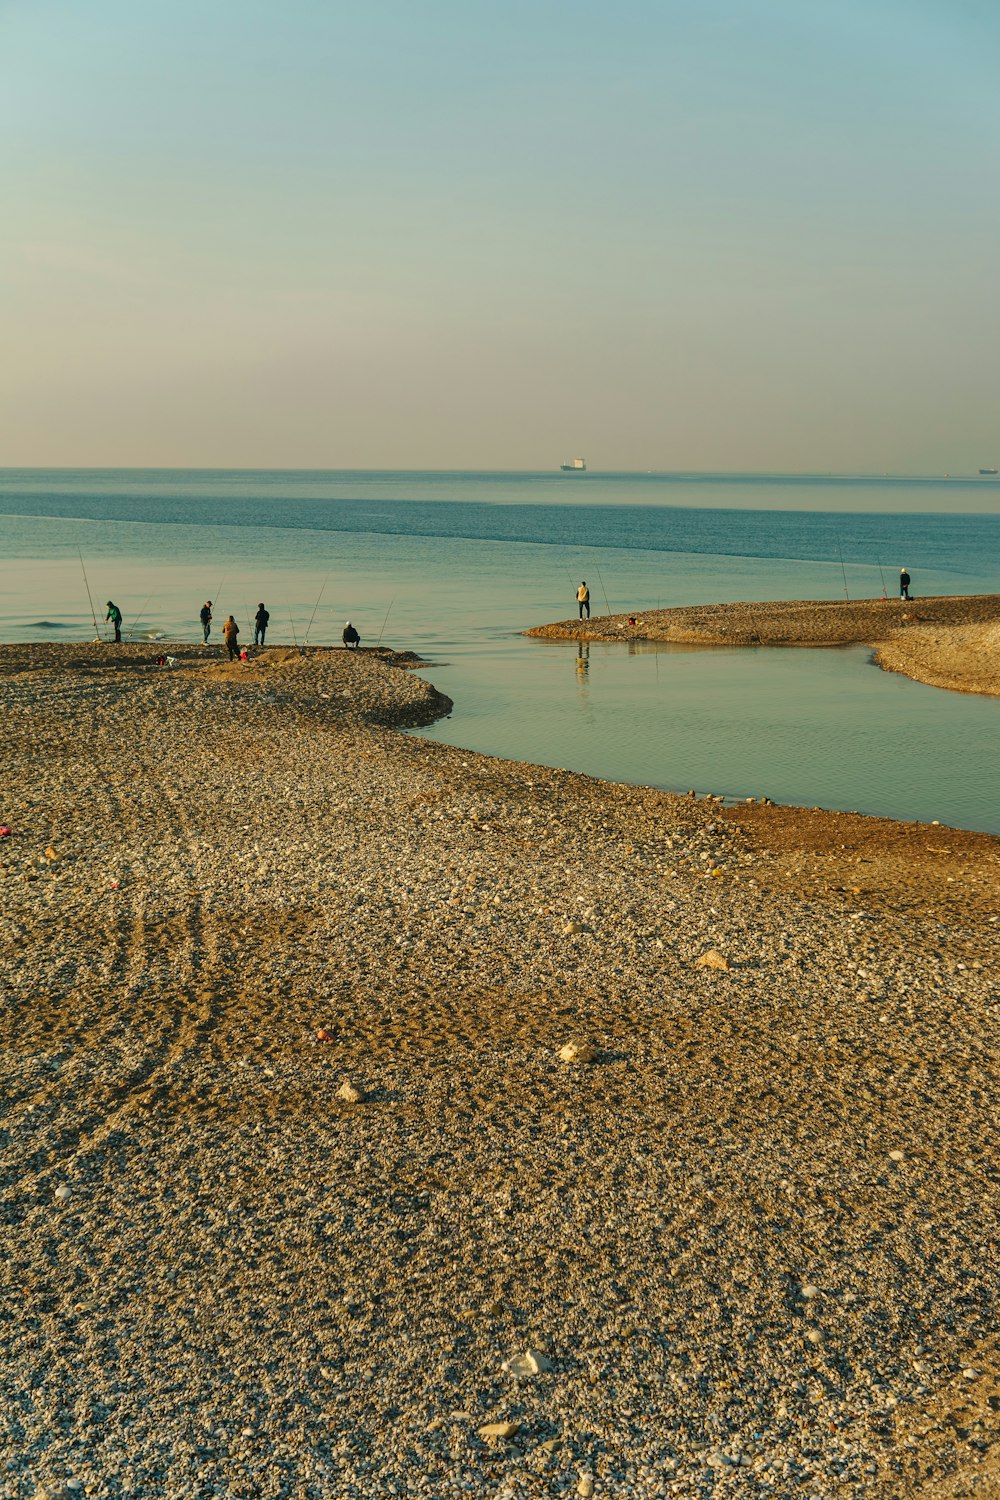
[
  {"x": 755, "y": 1239},
  {"x": 949, "y": 641}
]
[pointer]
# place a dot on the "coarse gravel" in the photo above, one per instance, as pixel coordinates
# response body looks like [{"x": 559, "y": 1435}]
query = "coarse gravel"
[{"x": 750, "y": 1245}]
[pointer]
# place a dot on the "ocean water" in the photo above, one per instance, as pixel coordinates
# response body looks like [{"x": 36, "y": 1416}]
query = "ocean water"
[{"x": 455, "y": 565}]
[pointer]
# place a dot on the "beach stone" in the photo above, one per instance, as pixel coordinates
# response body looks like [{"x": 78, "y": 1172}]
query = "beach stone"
[
  {"x": 713, "y": 959},
  {"x": 897, "y": 1156},
  {"x": 585, "y": 1484},
  {"x": 572, "y": 928},
  {"x": 350, "y": 1093},
  {"x": 63, "y": 1193},
  {"x": 498, "y": 1431},
  {"x": 524, "y": 1366},
  {"x": 578, "y": 1052}
]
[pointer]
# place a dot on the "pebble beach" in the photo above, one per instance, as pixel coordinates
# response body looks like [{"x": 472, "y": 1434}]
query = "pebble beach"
[
  {"x": 950, "y": 641},
  {"x": 381, "y": 1118}
]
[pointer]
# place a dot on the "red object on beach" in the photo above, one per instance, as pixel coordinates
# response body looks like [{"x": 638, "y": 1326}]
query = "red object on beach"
[
  {"x": 323, "y": 1035},
  {"x": 4, "y": 830}
]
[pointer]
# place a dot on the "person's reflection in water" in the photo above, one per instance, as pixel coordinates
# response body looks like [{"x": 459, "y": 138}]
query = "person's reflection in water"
[{"x": 582, "y": 664}]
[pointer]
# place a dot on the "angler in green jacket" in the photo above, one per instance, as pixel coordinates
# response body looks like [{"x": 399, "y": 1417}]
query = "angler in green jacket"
[{"x": 114, "y": 614}]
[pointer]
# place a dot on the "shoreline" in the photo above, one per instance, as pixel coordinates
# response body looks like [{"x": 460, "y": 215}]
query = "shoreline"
[
  {"x": 948, "y": 641},
  {"x": 753, "y": 1238}
]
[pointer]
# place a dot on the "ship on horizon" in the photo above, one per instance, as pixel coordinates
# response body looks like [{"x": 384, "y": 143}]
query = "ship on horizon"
[
  {"x": 575, "y": 466},
  {"x": 989, "y": 471}
]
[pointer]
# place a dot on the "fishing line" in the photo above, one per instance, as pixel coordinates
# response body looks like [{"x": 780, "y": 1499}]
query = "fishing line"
[
  {"x": 315, "y": 608},
  {"x": 882, "y": 576},
  {"x": 844, "y": 571},
  {"x": 603, "y": 589},
  {"x": 135, "y": 624},
  {"x": 384, "y": 624}
]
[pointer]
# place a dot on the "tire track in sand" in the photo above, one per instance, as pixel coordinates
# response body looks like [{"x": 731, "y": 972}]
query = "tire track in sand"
[{"x": 171, "y": 1019}]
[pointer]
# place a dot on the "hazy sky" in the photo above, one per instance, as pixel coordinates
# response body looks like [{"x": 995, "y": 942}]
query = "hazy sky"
[{"x": 759, "y": 234}]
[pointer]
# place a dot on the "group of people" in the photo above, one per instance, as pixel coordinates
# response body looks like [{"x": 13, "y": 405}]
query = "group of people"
[
  {"x": 350, "y": 637},
  {"x": 230, "y": 630}
]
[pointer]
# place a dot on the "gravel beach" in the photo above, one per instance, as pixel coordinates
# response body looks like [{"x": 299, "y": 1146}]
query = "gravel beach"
[
  {"x": 949, "y": 641},
  {"x": 381, "y": 1118}
]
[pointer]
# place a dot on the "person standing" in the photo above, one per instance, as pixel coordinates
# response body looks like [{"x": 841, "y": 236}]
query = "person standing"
[
  {"x": 260, "y": 620},
  {"x": 583, "y": 599},
  {"x": 904, "y": 584},
  {"x": 229, "y": 633},
  {"x": 350, "y": 636},
  {"x": 206, "y": 620},
  {"x": 114, "y": 614}
]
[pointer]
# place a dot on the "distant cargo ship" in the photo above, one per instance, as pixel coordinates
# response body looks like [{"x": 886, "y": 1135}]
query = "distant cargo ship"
[
  {"x": 989, "y": 471},
  {"x": 578, "y": 465}
]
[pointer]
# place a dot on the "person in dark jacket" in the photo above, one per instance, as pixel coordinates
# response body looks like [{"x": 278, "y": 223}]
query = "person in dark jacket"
[
  {"x": 351, "y": 637},
  {"x": 904, "y": 584},
  {"x": 114, "y": 614},
  {"x": 229, "y": 633},
  {"x": 260, "y": 620},
  {"x": 206, "y": 620}
]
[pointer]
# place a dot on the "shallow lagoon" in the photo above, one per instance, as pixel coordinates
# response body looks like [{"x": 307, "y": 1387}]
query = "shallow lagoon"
[{"x": 825, "y": 728}]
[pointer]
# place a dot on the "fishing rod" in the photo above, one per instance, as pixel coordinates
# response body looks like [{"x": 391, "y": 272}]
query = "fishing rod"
[
  {"x": 215, "y": 597},
  {"x": 384, "y": 623},
  {"x": 316, "y": 607},
  {"x": 603, "y": 589},
  {"x": 292, "y": 624},
  {"x": 93, "y": 613},
  {"x": 570, "y": 577},
  {"x": 882, "y": 576},
  {"x": 844, "y": 571},
  {"x": 135, "y": 624}
]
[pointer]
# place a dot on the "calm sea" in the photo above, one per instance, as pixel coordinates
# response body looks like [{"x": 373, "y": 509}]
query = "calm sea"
[{"x": 453, "y": 565}]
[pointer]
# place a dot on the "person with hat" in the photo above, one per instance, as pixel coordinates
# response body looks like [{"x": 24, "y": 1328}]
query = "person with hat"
[
  {"x": 351, "y": 637},
  {"x": 206, "y": 620},
  {"x": 904, "y": 584},
  {"x": 114, "y": 614}
]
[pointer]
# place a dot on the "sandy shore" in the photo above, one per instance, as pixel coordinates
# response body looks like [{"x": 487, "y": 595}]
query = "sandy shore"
[
  {"x": 950, "y": 641},
  {"x": 964, "y": 658},
  {"x": 753, "y": 1243}
]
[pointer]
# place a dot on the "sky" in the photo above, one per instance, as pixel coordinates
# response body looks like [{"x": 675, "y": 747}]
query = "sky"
[{"x": 659, "y": 234}]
